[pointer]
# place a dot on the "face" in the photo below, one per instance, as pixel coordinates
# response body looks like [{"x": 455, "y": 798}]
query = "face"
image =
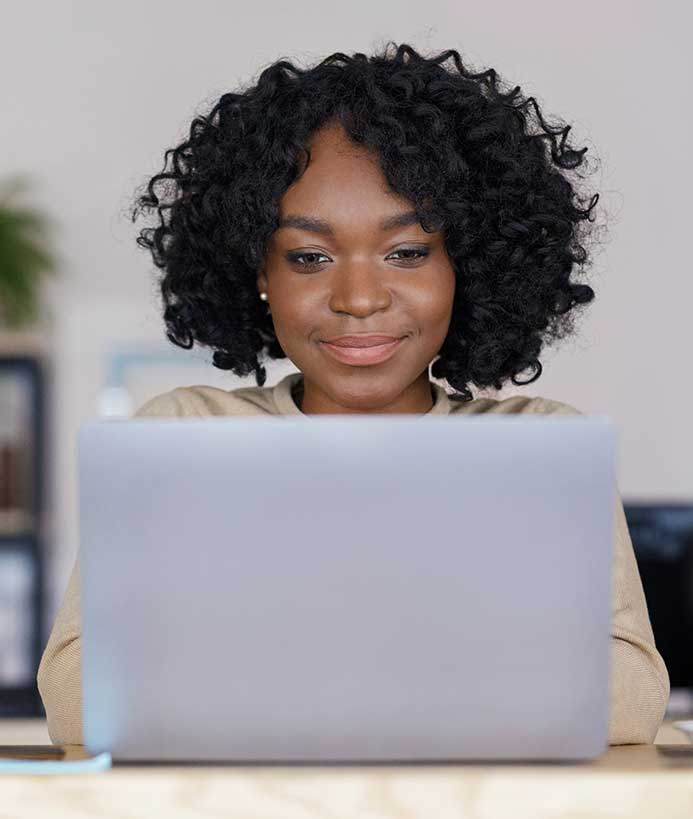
[{"x": 335, "y": 267}]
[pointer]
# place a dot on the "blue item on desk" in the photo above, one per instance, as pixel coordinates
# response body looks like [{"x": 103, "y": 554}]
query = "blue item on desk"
[{"x": 93, "y": 764}]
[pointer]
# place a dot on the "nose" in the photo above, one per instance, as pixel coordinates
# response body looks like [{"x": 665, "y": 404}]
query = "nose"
[{"x": 359, "y": 289}]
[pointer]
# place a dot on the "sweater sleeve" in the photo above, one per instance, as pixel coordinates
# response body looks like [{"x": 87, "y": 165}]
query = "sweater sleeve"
[
  {"x": 59, "y": 673},
  {"x": 639, "y": 681}
]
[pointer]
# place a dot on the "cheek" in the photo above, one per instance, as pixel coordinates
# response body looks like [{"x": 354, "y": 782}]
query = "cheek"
[
  {"x": 296, "y": 318},
  {"x": 434, "y": 308},
  {"x": 434, "y": 305},
  {"x": 301, "y": 314}
]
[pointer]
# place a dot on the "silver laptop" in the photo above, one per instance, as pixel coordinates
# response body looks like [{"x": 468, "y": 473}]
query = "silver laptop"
[{"x": 347, "y": 588}]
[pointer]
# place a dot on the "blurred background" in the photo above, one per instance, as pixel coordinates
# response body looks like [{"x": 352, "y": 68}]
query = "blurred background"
[{"x": 92, "y": 95}]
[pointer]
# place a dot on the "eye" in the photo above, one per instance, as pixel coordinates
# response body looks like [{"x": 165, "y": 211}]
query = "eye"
[
  {"x": 311, "y": 263},
  {"x": 421, "y": 253},
  {"x": 294, "y": 258}
]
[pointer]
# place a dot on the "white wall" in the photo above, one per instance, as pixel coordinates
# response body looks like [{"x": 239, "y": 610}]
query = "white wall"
[{"x": 92, "y": 95}]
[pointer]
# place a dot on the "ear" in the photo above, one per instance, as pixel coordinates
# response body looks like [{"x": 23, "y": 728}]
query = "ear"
[{"x": 261, "y": 282}]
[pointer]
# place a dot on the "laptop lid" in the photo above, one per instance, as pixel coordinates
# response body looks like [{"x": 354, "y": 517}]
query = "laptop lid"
[{"x": 346, "y": 587}]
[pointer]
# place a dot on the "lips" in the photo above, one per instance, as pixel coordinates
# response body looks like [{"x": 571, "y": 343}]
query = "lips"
[
  {"x": 362, "y": 356},
  {"x": 363, "y": 340}
]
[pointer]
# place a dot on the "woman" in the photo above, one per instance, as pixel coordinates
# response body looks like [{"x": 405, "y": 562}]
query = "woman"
[{"x": 393, "y": 195}]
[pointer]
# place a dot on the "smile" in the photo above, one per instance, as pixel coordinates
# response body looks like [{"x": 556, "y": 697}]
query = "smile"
[{"x": 361, "y": 356}]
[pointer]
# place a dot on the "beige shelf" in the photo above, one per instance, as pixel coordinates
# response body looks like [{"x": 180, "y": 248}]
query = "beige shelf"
[
  {"x": 22, "y": 342},
  {"x": 15, "y": 522}
]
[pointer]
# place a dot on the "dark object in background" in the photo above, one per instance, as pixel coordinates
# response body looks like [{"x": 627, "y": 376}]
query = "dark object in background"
[
  {"x": 662, "y": 535},
  {"x": 22, "y": 480}
]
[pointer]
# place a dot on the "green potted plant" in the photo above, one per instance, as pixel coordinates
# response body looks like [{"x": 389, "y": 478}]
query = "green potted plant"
[{"x": 25, "y": 257}]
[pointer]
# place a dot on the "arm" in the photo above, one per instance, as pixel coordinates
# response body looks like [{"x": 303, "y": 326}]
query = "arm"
[
  {"x": 639, "y": 681},
  {"x": 59, "y": 677},
  {"x": 59, "y": 673},
  {"x": 639, "y": 689}
]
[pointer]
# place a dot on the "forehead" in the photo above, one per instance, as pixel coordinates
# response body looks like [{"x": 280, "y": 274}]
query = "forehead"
[
  {"x": 338, "y": 163},
  {"x": 343, "y": 183},
  {"x": 332, "y": 142}
]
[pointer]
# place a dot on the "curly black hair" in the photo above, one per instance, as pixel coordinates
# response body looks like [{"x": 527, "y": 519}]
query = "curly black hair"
[{"x": 452, "y": 141}]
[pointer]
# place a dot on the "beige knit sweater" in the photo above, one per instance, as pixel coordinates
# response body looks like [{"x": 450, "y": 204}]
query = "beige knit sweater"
[{"x": 639, "y": 682}]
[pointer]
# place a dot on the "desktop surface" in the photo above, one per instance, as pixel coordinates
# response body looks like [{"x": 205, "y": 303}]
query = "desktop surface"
[{"x": 626, "y": 780}]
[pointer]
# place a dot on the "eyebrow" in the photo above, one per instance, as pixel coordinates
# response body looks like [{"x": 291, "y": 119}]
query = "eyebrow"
[{"x": 315, "y": 225}]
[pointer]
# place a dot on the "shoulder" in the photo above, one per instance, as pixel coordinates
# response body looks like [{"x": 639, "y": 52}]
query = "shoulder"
[
  {"x": 516, "y": 405},
  {"x": 204, "y": 400}
]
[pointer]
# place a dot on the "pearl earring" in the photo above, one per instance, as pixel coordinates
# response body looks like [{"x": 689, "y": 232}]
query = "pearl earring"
[{"x": 263, "y": 296}]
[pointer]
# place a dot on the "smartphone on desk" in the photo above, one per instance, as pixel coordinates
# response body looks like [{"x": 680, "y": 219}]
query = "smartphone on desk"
[{"x": 32, "y": 752}]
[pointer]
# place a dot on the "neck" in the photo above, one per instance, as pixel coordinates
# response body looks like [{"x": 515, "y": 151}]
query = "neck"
[{"x": 419, "y": 399}]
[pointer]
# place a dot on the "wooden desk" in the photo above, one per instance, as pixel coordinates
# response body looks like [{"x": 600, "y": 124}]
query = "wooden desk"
[{"x": 627, "y": 781}]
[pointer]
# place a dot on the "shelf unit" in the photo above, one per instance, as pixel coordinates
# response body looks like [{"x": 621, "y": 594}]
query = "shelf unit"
[{"x": 22, "y": 524}]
